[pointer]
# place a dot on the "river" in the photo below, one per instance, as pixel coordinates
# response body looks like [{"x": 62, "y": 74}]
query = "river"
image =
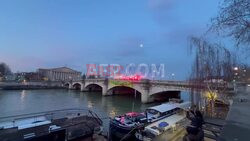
[{"x": 14, "y": 102}]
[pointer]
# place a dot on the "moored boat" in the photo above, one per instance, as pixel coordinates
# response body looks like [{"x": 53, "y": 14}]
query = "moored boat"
[
  {"x": 163, "y": 117},
  {"x": 153, "y": 121},
  {"x": 58, "y": 125},
  {"x": 124, "y": 127}
]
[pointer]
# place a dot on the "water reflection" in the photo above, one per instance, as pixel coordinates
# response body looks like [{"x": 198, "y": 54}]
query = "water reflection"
[
  {"x": 90, "y": 104},
  {"x": 23, "y": 94},
  {"x": 31, "y": 101},
  {"x": 112, "y": 113}
]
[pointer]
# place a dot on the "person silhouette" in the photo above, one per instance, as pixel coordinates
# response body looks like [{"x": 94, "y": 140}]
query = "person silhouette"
[{"x": 194, "y": 130}]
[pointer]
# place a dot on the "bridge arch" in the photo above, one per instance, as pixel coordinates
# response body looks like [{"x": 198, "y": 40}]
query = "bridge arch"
[
  {"x": 165, "y": 95},
  {"x": 159, "y": 89},
  {"x": 77, "y": 86},
  {"x": 67, "y": 85},
  {"x": 124, "y": 90},
  {"x": 93, "y": 87}
]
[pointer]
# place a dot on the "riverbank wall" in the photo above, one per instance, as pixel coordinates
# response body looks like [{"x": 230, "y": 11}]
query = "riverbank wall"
[{"x": 30, "y": 85}]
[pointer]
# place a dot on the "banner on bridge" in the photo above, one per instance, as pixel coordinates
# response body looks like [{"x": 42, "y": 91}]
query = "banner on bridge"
[{"x": 120, "y": 83}]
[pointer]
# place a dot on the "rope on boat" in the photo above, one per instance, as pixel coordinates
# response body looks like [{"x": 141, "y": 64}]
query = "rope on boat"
[{"x": 124, "y": 137}]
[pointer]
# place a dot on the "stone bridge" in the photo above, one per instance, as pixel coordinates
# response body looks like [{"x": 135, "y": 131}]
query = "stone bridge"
[{"x": 147, "y": 88}]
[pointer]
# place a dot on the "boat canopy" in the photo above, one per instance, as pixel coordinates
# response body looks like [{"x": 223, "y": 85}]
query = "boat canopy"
[
  {"x": 163, "y": 107},
  {"x": 184, "y": 105},
  {"x": 170, "y": 106}
]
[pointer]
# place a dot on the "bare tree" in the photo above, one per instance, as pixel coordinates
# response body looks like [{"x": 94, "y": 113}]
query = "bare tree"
[
  {"x": 212, "y": 68},
  {"x": 4, "y": 69},
  {"x": 234, "y": 20},
  {"x": 212, "y": 61}
]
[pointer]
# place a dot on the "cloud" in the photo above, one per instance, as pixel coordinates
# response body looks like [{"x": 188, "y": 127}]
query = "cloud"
[
  {"x": 129, "y": 47},
  {"x": 162, "y": 11},
  {"x": 160, "y": 5},
  {"x": 179, "y": 36}
]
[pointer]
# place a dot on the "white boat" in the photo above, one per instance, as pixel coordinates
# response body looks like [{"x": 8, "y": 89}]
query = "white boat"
[
  {"x": 25, "y": 123},
  {"x": 164, "y": 116}
]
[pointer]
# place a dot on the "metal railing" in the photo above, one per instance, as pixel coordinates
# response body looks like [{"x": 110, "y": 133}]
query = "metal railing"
[
  {"x": 96, "y": 117},
  {"x": 78, "y": 122},
  {"x": 52, "y": 115}
]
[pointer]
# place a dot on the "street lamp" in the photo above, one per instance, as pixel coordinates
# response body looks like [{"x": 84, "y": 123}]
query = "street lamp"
[
  {"x": 141, "y": 45},
  {"x": 236, "y": 73},
  {"x": 173, "y": 75},
  {"x": 236, "y": 68}
]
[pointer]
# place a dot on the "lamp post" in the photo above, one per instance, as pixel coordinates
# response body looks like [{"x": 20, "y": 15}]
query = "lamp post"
[
  {"x": 236, "y": 70},
  {"x": 173, "y": 75}
]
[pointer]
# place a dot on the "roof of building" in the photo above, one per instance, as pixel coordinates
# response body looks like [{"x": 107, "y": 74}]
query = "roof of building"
[{"x": 61, "y": 69}]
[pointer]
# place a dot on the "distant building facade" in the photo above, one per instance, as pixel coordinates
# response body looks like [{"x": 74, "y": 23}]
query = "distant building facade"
[
  {"x": 9, "y": 77},
  {"x": 242, "y": 74},
  {"x": 59, "y": 74},
  {"x": 27, "y": 76}
]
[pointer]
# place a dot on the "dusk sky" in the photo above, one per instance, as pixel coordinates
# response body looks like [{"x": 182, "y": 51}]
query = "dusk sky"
[{"x": 73, "y": 33}]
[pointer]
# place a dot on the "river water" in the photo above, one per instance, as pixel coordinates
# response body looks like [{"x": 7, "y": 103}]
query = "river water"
[{"x": 15, "y": 102}]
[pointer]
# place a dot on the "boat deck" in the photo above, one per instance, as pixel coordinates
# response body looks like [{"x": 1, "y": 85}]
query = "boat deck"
[
  {"x": 68, "y": 128},
  {"x": 171, "y": 120}
]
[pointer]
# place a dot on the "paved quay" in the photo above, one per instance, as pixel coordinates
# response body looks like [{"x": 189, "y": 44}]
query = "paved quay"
[
  {"x": 237, "y": 125},
  {"x": 171, "y": 135},
  {"x": 175, "y": 135}
]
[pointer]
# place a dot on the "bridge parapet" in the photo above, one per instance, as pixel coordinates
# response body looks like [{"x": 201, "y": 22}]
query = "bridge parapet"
[
  {"x": 95, "y": 80},
  {"x": 146, "y": 87}
]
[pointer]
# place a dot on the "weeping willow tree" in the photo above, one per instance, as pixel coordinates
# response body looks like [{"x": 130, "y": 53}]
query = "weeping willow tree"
[
  {"x": 212, "y": 68},
  {"x": 212, "y": 61}
]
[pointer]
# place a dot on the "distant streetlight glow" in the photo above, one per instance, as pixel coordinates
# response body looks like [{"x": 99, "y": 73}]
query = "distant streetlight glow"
[
  {"x": 212, "y": 96},
  {"x": 236, "y": 68},
  {"x": 141, "y": 45}
]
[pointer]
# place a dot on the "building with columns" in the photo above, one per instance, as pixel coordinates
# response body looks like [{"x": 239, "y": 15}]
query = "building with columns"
[{"x": 59, "y": 74}]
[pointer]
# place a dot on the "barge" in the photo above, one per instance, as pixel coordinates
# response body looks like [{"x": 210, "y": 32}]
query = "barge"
[
  {"x": 124, "y": 127},
  {"x": 59, "y": 125},
  {"x": 149, "y": 124}
]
